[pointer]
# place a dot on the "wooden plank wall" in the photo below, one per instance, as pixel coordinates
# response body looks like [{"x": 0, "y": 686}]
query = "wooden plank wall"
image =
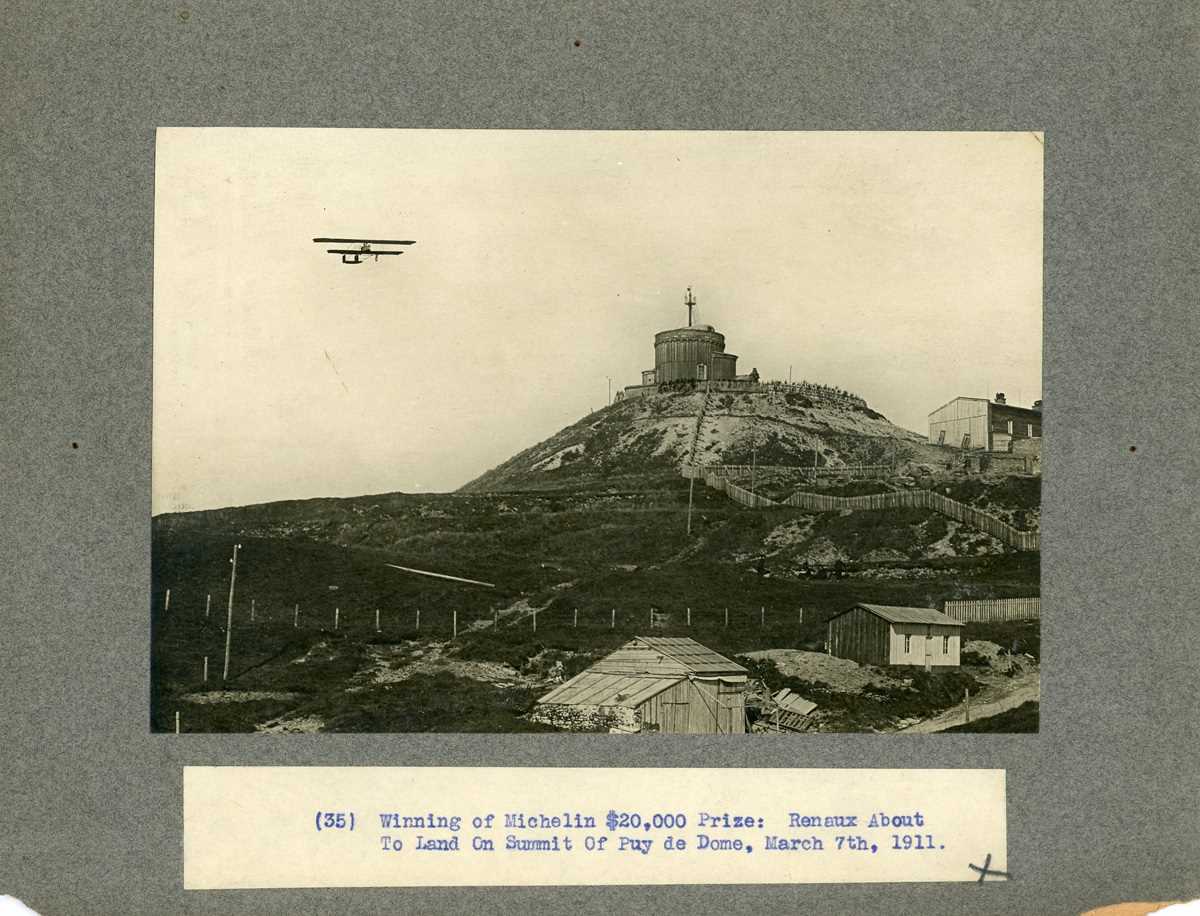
[
  {"x": 861, "y": 637},
  {"x": 668, "y": 710}
]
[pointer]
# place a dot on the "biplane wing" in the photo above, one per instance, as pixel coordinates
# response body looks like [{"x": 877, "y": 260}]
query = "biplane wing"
[
  {"x": 371, "y": 241},
  {"x": 364, "y": 249}
]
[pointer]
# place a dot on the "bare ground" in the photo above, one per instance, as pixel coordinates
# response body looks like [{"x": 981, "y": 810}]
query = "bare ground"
[
  {"x": 237, "y": 696},
  {"x": 841, "y": 674},
  {"x": 391, "y": 664}
]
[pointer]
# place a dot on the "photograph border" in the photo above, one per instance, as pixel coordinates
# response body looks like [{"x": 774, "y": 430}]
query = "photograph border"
[{"x": 1099, "y": 801}]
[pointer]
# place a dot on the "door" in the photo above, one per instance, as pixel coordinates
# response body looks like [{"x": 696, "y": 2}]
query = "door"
[{"x": 929, "y": 648}]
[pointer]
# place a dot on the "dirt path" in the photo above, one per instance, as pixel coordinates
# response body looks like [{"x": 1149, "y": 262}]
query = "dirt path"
[
  {"x": 395, "y": 664},
  {"x": 996, "y": 698}
]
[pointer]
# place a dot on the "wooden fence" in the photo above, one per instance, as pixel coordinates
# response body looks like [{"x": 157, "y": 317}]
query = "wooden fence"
[
  {"x": 849, "y": 470},
  {"x": 908, "y": 499},
  {"x": 739, "y": 494},
  {"x": 993, "y": 609}
]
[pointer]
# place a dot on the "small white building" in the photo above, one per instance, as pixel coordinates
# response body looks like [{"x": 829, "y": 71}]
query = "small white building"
[{"x": 878, "y": 634}]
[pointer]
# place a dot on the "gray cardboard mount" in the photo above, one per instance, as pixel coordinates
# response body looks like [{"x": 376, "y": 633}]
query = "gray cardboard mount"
[{"x": 1102, "y": 803}]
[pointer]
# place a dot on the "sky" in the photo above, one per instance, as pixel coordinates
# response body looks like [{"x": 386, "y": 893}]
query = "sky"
[{"x": 904, "y": 267}]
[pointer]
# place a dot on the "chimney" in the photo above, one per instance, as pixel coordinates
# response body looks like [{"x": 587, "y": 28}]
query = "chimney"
[{"x": 1000, "y": 398}]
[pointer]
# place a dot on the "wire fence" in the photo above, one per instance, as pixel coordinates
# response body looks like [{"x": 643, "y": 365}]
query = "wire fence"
[{"x": 417, "y": 622}]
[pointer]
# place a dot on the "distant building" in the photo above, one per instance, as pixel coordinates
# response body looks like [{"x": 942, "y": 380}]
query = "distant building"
[
  {"x": 652, "y": 684},
  {"x": 978, "y": 423},
  {"x": 876, "y": 634}
]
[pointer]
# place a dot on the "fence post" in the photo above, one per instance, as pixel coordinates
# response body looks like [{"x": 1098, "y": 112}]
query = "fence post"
[
  {"x": 336, "y": 613},
  {"x": 689, "y": 617},
  {"x": 726, "y": 616},
  {"x": 177, "y": 721},
  {"x": 613, "y": 625},
  {"x": 252, "y": 610},
  {"x": 456, "y": 624},
  {"x": 535, "y": 621},
  {"x": 206, "y": 669},
  {"x": 418, "y": 620},
  {"x": 296, "y": 616},
  {"x": 575, "y": 622},
  {"x": 762, "y": 616},
  {"x": 167, "y": 602},
  {"x": 376, "y": 620},
  {"x": 207, "y": 604},
  {"x": 968, "y": 702}
]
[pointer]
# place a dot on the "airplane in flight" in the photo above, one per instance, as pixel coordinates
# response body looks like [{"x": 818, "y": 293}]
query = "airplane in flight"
[{"x": 364, "y": 249}]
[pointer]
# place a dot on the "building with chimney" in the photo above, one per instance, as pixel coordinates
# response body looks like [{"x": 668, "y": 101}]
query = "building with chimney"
[{"x": 980, "y": 423}]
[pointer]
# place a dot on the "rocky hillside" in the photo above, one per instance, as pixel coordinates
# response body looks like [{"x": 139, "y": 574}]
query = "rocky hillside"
[{"x": 641, "y": 437}]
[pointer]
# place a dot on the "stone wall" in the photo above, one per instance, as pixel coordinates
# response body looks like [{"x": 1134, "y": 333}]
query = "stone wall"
[{"x": 587, "y": 718}]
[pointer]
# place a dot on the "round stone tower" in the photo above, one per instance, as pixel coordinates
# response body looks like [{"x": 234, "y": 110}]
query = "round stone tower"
[{"x": 696, "y": 352}]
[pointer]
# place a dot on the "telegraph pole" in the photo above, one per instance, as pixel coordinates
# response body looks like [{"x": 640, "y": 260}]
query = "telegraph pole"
[
  {"x": 229, "y": 616},
  {"x": 609, "y": 377},
  {"x": 691, "y": 489},
  {"x": 753, "y": 462}
]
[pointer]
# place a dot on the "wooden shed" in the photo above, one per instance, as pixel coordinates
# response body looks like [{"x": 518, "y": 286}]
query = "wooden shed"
[
  {"x": 878, "y": 634},
  {"x": 652, "y": 684}
]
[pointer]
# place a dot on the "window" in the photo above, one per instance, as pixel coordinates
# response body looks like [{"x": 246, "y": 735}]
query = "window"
[
  {"x": 1029, "y": 430},
  {"x": 945, "y": 645},
  {"x": 1010, "y": 427},
  {"x": 907, "y": 644},
  {"x": 701, "y": 371}
]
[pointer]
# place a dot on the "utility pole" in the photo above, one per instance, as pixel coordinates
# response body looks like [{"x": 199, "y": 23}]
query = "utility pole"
[
  {"x": 229, "y": 614},
  {"x": 753, "y": 462},
  {"x": 609, "y": 377},
  {"x": 691, "y": 489}
]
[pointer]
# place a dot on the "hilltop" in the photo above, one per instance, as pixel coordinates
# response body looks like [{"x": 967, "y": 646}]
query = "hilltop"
[
  {"x": 644, "y": 439},
  {"x": 584, "y": 537}
]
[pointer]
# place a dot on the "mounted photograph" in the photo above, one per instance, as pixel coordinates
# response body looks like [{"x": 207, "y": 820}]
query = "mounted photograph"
[{"x": 625, "y": 432}]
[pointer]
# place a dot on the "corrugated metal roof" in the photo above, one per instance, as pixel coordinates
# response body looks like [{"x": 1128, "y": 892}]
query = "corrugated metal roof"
[
  {"x": 694, "y": 657},
  {"x": 640, "y": 669},
  {"x": 637, "y": 658},
  {"x": 908, "y": 614},
  {"x": 593, "y": 688}
]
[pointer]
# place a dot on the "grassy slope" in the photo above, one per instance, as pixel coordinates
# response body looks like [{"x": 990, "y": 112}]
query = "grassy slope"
[
  {"x": 1022, "y": 719},
  {"x": 557, "y": 551},
  {"x": 651, "y": 436}
]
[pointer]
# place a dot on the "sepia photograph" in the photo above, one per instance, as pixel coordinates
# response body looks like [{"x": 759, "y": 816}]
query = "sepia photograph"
[{"x": 625, "y": 432}]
